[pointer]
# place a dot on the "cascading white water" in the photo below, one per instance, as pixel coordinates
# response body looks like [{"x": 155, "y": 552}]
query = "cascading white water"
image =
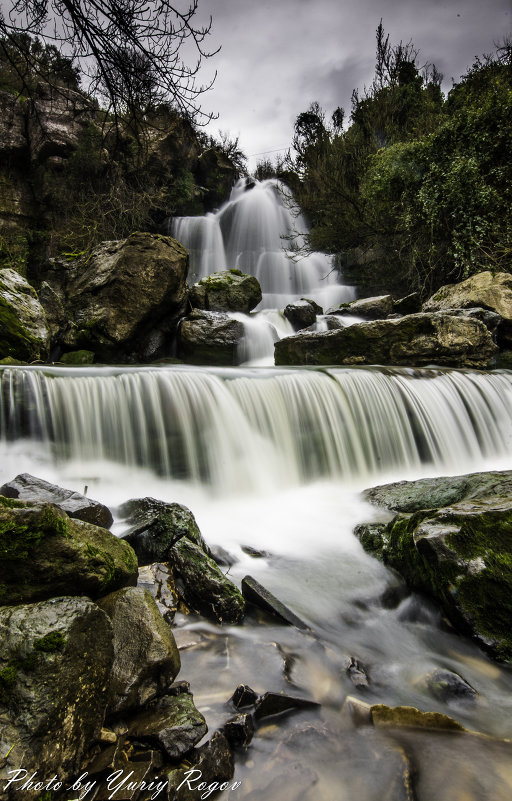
[{"x": 255, "y": 232}]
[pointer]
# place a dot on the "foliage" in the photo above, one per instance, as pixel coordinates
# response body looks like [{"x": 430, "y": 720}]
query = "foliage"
[{"x": 24, "y": 61}]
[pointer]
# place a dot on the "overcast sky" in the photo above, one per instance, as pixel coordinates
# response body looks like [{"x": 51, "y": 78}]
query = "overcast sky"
[{"x": 278, "y": 56}]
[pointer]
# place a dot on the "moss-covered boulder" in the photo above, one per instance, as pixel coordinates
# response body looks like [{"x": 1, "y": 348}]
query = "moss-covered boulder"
[
  {"x": 44, "y": 553},
  {"x": 414, "y": 340},
  {"x": 55, "y": 658},
  {"x": 23, "y": 330},
  {"x": 146, "y": 658},
  {"x": 489, "y": 290},
  {"x": 225, "y": 291},
  {"x": 210, "y": 338},
  {"x": 173, "y": 724},
  {"x": 77, "y": 357},
  {"x": 460, "y": 554}
]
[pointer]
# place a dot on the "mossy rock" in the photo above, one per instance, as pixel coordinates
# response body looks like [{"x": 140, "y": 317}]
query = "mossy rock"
[
  {"x": 78, "y": 357},
  {"x": 229, "y": 290},
  {"x": 44, "y": 554},
  {"x": 23, "y": 330},
  {"x": 408, "y": 716}
]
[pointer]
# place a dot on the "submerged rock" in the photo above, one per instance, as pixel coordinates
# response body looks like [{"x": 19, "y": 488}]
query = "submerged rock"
[
  {"x": 210, "y": 338},
  {"x": 29, "y": 488},
  {"x": 448, "y": 686},
  {"x": 258, "y": 595},
  {"x": 55, "y": 658},
  {"x": 44, "y": 553},
  {"x": 146, "y": 659},
  {"x": 225, "y": 291},
  {"x": 276, "y": 703},
  {"x": 23, "y": 330},
  {"x": 415, "y": 340},
  {"x": 398, "y": 716}
]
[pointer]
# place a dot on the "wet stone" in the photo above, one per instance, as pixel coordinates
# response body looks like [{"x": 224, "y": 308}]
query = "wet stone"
[
  {"x": 448, "y": 686},
  {"x": 239, "y": 730},
  {"x": 158, "y": 579},
  {"x": 173, "y": 724},
  {"x": 255, "y": 552},
  {"x": 357, "y": 673},
  {"x": 275, "y": 703},
  {"x": 243, "y": 697},
  {"x": 258, "y": 595}
]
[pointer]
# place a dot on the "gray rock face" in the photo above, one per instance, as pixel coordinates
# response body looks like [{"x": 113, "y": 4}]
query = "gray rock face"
[
  {"x": 301, "y": 314},
  {"x": 29, "y": 488},
  {"x": 416, "y": 340},
  {"x": 13, "y": 142},
  {"x": 173, "y": 723},
  {"x": 56, "y": 120},
  {"x": 23, "y": 330},
  {"x": 44, "y": 553},
  {"x": 410, "y": 304},
  {"x": 146, "y": 659},
  {"x": 376, "y": 308},
  {"x": 54, "y": 663},
  {"x": 229, "y": 290},
  {"x": 209, "y": 338}
]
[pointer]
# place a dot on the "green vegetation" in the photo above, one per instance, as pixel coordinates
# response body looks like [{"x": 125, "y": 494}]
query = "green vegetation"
[
  {"x": 423, "y": 181},
  {"x": 50, "y": 642}
]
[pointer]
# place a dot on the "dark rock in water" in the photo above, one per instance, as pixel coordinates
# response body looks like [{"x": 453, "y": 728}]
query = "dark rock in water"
[
  {"x": 213, "y": 763},
  {"x": 55, "y": 658},
  {"x": 229, "y": 290},
  {"x": 434, "y": 493},
  {"x": 256, "y": 594},
  {"x": 210, "y": 338},
  {"x": 410, "y": 304},
  {"x": 29, "y": 488},
  {"x": 239, "y": 730},
  {"x": 146, "y": 659},
  {"x": 275, "y": 703},
  {"x": 173, "y": 723},
  {"x": 301, "y": 313},
  {"x": 44, "y": 553},
  {"x": 448, "y": 686},
  {"x": 244, "y": 696},
  {"x": 393, "y": 595},
  {"x": 155, "y": 526},
  {"x": 397, "y": 716},
  {"x": 159, "y": 580},
  {"x": 222, "y": 557},
  {"x": 415, "y": 340},
  {"x": 371, "y": 535},
  {"x": 357, "y": 672},
  {"x": 376, "y": 308},
  {"x": 255, "y": 552},
  {"x": 203, "y": 586}
]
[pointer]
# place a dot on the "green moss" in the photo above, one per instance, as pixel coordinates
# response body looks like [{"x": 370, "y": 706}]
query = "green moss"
[
  {"x": 50, "y": 642},
  {"x": 11, "y": 503},
  {"x": 18, "y": 538},
  {"x": 8, "y": 676},
  {"x": 78, "y": 357}
]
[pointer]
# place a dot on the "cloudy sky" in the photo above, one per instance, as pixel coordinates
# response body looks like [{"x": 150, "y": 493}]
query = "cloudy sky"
[{"x": 278, "y": 56}]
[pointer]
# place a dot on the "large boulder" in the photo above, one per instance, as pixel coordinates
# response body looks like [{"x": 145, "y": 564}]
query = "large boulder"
[
  {"x": 23, "y": 330},
  {"x": 123, "y": 301},
  {"x": 210, "y": 338},
  {"x": 229, "y": 290},
  {"x": 30, "y": 488},
  {"x": 488, "y": 290},
  {"x": 376, "y": 308},
  {"x": 302, "y": 313},
  {"x": 44, "y": 553},
  {"x": 459, "y": 553},
  {"x": 173, "y": 724},
  {"x": 415, "y": 340},
  {"x": 55, "y": 658},
  {"x": 146, "y": 658}
]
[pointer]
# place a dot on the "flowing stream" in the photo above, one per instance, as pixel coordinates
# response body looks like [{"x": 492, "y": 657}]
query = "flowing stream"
[{"x": 275, "y": 459}]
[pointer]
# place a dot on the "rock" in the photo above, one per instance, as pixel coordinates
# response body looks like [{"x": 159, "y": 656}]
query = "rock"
[
  {"x": 57, "y": 118},
  {"x": 490, "y": 319},
  {"x": 229, "y": 290},
  {"x": 29, "y": 488},
  {"x": 376, "y": 308},
  {"x": 124, "y": 300},
  {"x": 434, "y": 493},
  {"x": 254, "y": 552},
  {"x": 23, "y": 330},
  {"x": 203, "y": 586},
  {"x": 415, "y": 340},
  {"x": 159, "y": 581},
  {"x": 256, "y": 594},
  {"x": 448, "y": 686},
  {"x": 357, "y": 673},
  {"x": 212, "y": 764},
  {"x": 239, "y": 730},
  {"x": 410, "y": 304},
  {"x": 173, "y": 723},
  {"x": 44, "y": 553},
  {"x": 13, "y": 140},
  {"x": 146, "y": 659},
  {"x": 78, "y": 357},
  {"x": 55, "y": 657},
  {"x": 357, "y": 711},
  {"x": 155, "y": 526},
  {"x": 488, "y": 290},
  {"x": 275, "y": 703},
  {"x": 222, "y": 557},
  {"x": 301, "y": 314},
  {"x": 461, "y": 555},
  {"x": 244, "y": 696},
  {"x": 386, "y": 716},
  {"x": 210, "y": 338},
  {"x": 372, "y": 536}
]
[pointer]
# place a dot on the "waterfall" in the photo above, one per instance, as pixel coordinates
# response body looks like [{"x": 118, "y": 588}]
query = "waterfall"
[{"x": 241, "y": 430}]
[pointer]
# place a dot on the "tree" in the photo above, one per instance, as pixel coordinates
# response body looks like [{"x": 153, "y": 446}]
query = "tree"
[{"x": 128, "y": 52}]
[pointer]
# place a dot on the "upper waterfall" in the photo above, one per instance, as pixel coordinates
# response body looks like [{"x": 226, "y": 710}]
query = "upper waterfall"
[{"x": 259, "y": 230}]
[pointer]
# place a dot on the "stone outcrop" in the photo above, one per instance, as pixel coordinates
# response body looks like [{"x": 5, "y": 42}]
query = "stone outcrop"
[
  {"x": 487, "y": 290},
  {"x": 44, "y": 553},
  {"x": 55, "y": 658},
  {"x": 229, "y": 290},
  {"x": 30, "y": 488},
  {"x": 210, "y": 338},
  {"x": 376, "y": 308},
  {"x": 23, "y": 329},
  {"x": 414, "y": 340},
  {"x": 453, "y": 543}
]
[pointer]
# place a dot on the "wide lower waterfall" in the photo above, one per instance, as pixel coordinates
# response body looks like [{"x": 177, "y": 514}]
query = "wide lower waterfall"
[{"x": 242, "y": 430}]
